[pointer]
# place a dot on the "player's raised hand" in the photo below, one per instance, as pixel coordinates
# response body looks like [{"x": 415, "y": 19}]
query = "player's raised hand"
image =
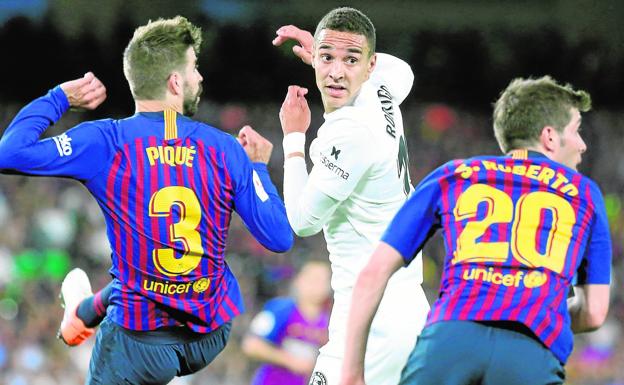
[
  {"x": 257, "y": 147},
  {"x": 304, "y": 38},
  {"x": 295, "y": 114},
  {"x": 86, "y": 92}
]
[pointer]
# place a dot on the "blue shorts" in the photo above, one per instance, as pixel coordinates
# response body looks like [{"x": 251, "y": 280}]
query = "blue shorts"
[
  {"x": 466, "y": 352},
  {"x": 122, "y": 356}
]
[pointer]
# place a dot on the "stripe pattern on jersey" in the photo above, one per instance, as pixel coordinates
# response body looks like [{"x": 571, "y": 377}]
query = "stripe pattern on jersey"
[
  {"x": 467, "y": 292},
  {"x": 131, "y": 185}
]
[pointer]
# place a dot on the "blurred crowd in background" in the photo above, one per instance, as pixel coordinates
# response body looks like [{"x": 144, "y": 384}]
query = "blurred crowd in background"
[
  {"x": 462, "y": 55},
  {"x": 50, "y": 225}
]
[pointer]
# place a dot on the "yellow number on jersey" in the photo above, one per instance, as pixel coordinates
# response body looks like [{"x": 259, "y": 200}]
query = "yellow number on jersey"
[
  {"x": 523, "y": 236},
  {"x": 184, "y": 231}
]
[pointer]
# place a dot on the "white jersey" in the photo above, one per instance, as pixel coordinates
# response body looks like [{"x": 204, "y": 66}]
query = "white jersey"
[
  {"x": 360, "y": 161},
  {"x": 360, "y": 158}
]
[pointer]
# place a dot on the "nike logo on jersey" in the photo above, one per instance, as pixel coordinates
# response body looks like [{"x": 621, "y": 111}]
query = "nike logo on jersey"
[
  {"x": 335, "y": 152},
  {"x": 63, "y": 144}
]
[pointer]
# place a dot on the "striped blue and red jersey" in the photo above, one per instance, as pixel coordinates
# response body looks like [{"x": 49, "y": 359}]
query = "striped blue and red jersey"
[
  {"x": 518, "y": 231},
  {"x": 167, "y": 186}
]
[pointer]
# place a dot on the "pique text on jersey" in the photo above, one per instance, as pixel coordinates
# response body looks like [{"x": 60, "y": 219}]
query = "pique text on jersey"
[{"x": 171, "y": 155}]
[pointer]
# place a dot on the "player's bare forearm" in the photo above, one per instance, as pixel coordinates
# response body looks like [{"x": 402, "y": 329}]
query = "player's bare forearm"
[
  {"x": 367, "y": 295},
  {"x": 588, "y": 308}
]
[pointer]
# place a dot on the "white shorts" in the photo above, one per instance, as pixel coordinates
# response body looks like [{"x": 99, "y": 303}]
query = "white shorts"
[{"x": 392, "y": 339}]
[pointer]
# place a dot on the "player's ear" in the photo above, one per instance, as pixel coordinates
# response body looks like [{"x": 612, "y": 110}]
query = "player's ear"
[
  {"x": 549, "y": 138},
  {"x": 174, "y": 83},
  {"x": 372, "y": 62}
]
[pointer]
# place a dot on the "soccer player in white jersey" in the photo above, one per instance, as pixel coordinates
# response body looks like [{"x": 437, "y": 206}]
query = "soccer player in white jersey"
[{"x": 358, "y": 181}]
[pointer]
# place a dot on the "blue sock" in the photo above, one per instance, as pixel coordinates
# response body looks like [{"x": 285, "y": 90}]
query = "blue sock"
[{"x": 92, "y": 310}]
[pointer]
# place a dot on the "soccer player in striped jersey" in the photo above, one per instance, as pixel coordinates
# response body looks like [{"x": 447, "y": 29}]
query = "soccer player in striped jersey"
[
  {"x": 167, "y": 186},
  {"x": 286, "y": 334},
  {"x": 359, "y": 180},
  {"x": 519, "y": 231}
]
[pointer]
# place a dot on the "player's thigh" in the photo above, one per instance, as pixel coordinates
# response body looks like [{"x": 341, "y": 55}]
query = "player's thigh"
[
  {"x": 386, "y": 354},
  {"x": 117, "y": 358},
  {"x": 197, "y": 355},
  {"x": 521, "y": 360},
  {"x": 448, "y": 353}
]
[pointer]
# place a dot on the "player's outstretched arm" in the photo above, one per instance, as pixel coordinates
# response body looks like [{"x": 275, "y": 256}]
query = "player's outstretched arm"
[
  {"x": 308, "y": 208},
  {"x": 589, "y": 307},
  {"x": 78, "y": 153},
  {"x": 367, "y": 294},
  {"x": 304, "y": 38}
]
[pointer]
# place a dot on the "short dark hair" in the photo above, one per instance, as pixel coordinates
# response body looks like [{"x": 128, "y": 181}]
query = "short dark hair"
[
  {"x": 157, "y": 49},
  {"x": 526, "y": 106},
  {"x": 346, "y": 19}
]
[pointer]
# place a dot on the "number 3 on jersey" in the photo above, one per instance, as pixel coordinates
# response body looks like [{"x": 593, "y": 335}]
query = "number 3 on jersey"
[
  {"x": 525, "y": 218},
  {"x": 184, "y": 231}
]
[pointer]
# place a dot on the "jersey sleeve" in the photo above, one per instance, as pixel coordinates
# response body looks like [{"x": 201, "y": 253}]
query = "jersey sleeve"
[
  {"x": 257, "y": 202},
  {"x": 343, "y": 158},
  {"x": 307, "y": 207},
  {"x": 395, "y": 74},
  {"x": 272, "y": 321},
  {"x": 78, "y": 153},
  {"x": 595, "y": 267},
  {"x": 417, "y": 219}
]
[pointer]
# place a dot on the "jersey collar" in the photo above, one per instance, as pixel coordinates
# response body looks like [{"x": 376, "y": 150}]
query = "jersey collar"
[{"x": 525, "y": 154}]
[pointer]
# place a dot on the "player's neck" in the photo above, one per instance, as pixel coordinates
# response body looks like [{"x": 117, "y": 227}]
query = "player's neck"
[
  {"x": 539, "y": 148},
  {"x": 309, "y": 310},
  {"x": 156, "y": 106}
]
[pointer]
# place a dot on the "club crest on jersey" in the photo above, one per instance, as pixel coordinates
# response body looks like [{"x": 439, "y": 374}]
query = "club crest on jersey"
[
  {"x": 318, "y": 378},
  {"x": 201, "y": 285},
  {"x": 63, "y": 144}
]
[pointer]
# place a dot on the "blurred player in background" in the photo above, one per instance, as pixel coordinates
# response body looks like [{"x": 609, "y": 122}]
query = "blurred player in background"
[
  {"x": 167, "y": 186},
  {"x": 518, "y": 228},
  {"x": 287, "y": 333},
  {"x": 359, "y": 180}
]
